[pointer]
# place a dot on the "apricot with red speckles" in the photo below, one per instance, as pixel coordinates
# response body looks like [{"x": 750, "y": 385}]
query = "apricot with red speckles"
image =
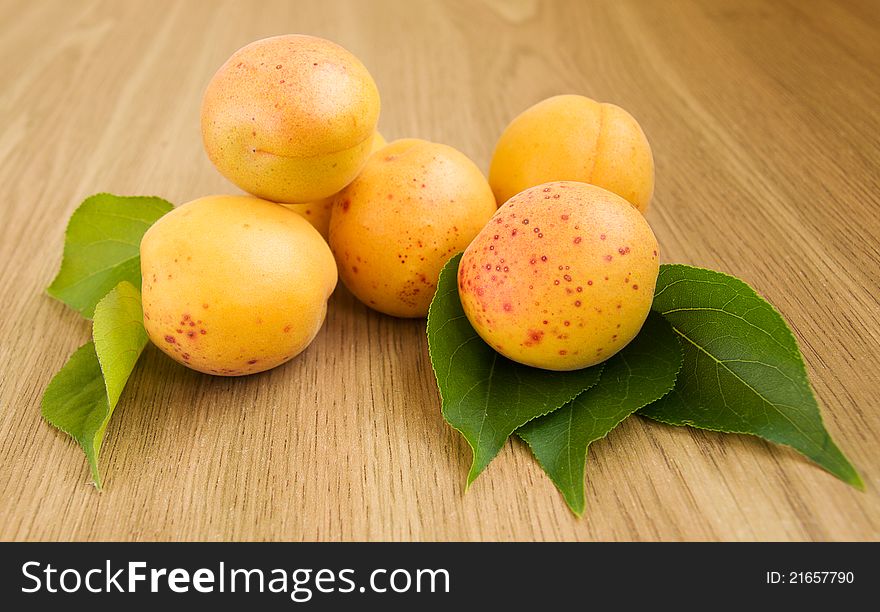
[
  {"x": 414, "y": 205},
  {"x": 562, "y": 277},
  {"x": 574, "y": 138},
  {"x": 318, "y": 213},
  {"x": 234, "y": 285},
  {"x": 290, "y": 118}
]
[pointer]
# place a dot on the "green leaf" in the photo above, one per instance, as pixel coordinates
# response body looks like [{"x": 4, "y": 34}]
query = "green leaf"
[
  {"x": 119, "y": 336},
  {"x": 742, "y": 371},
  {"x": 484, "y": 395},
  {"x": 643, "y": 372},
  {"x": 80, "y": 399},
  {"x": 102, "y": 248}
]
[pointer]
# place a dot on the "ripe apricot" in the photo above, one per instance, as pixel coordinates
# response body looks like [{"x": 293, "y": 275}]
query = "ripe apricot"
[
  {"x": 290, "y": 118},
  {"x": 574, "y": 138},
  {"x": 318, "y": 213},
  {"x": 234, "y": 285},
  {"x": 414, "y": 205},
  {"x": 562, "y": 277}
]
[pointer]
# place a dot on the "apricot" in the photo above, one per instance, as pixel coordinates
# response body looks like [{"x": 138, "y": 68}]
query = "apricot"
[
  {"x": 234, "y": 285},
  {"x": 414, "y": 205},
  {"x": 290, "y": 118},
  {"x": 574, "y": 138},
  {"x": 318, "y": 213},
  {"x": 562, "y": 277}
]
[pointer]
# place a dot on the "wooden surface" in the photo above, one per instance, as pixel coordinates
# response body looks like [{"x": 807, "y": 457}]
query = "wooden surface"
[{"x": 764, "y": 124}]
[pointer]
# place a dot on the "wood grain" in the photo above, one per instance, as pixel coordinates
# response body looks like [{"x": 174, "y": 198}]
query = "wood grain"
[{"x": 764, "y": 124}]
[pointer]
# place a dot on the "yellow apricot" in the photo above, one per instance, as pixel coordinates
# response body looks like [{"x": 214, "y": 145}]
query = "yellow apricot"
[
  {"x": 414, "y": 205},
  {"x": 290, "y": 118},
  {"x": 562, "y": 277},
  {"x": 574, "y": 138},
  {"x": 234, "y": 285},
  {"x": 318, "y": 213}
]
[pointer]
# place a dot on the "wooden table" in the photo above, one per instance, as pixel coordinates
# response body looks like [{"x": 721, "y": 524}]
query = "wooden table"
[{"x": 764, "y": 124}]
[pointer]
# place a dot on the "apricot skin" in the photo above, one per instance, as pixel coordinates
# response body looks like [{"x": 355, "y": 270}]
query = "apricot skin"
[
  {"x": 562, "y": 277},
  {"x": 414, "y": 205},
  {"x": 290, "y": 118},
  {"x": 574, "y": 138},
  {"x": 234, "y": 285},
  {"x": 318, "y": 213}
]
